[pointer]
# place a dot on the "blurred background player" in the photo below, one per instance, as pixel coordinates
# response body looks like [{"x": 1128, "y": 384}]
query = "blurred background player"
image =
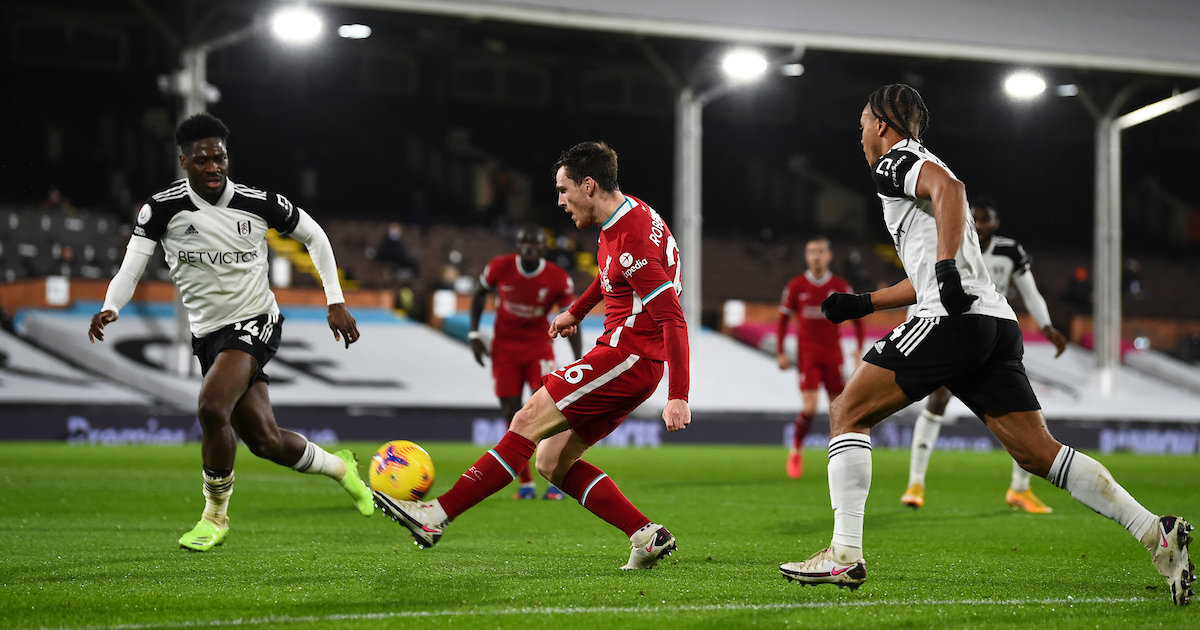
[
  {"x": 966, "y": 337},
  {"x": 586, "y": 400},
  {"x": 214, "y": 232},
  {"x": 527, "y": 287},
  {"x": 1007, "y": 263},
  {"x": 818, "y": 344}
]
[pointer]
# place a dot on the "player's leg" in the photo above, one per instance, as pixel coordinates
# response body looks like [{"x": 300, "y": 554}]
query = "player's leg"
[
  {"x": 545, "y": 366},
  {"x": 254, "y": 421},
  {"x": 871, "y": 395},
  {"x": 924, "y": 440},
  {"x": 509, "y": 405},
  {"x": 224, "y": 383},
  {"x": 803, "y": 423},
  {"x": 497, "y": 468},
  {"x": 1020, "y": 495},
  {"x": 559, "y": 460},
  {"x": 1026, "y": 438}
]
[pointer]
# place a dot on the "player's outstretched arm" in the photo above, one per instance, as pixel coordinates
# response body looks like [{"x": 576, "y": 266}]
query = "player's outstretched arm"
[
  {"x": 478, "y": 300},
  {"x": 839, "y": 307},
  {"x": 781, "y": 356},
  {"x": 676, "y": 415},
  {"x": 342, "y": 323},
  {"x": 121, "y": 287},
  {"x": 1036, "y": 304}
]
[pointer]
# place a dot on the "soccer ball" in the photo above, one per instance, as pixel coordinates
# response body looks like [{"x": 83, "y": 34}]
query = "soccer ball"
[{"x": 402, "y": 470}]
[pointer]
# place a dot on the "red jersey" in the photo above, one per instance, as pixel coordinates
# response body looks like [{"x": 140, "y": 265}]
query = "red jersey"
[
  {"x": 818, "y": 338},
  {"x": 639, "y": 280},
  {"x": 523, "y": 301}
]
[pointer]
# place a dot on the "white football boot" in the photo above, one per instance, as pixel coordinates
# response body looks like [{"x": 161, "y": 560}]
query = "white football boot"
[
  {"x": 650, "y": 544},
  {"x": 822, "y": 568},
  {"x": 1171, "y": 537},
  {"x": 417, "y": 517}
]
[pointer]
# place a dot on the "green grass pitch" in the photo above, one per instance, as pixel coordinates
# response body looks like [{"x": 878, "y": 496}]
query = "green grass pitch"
[{"x": 89, "y": 541}]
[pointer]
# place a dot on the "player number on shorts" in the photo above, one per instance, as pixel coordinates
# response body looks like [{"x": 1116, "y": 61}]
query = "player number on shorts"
[
  {"x": 250, "y": 327},
  {"x": 574, "y": 374}
]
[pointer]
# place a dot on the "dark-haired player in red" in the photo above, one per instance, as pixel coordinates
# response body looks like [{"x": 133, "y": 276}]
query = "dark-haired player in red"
[
  {"x": 527, "y": 286},
  {"x": 818, "y": 343},
  {"x": 584, "y": 401}
]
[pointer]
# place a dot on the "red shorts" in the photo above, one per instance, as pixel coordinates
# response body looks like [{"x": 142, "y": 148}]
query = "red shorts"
[
  {"x": 597, "y": 392},
  {"x": 823, "y": 371},
  {"x": 512, "y": 372}
]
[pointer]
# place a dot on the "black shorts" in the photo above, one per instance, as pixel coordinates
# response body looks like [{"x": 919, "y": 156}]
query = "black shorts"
[
  {"x": 977, "y": 357},
  {"x": 258, "y": 336}
]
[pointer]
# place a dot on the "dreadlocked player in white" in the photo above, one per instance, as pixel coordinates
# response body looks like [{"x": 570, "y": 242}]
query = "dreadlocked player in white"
[
  {"x": 965, "y": 337},
  {"x": 1008, "y": 264},
  {"x": 213, "y": 233}
]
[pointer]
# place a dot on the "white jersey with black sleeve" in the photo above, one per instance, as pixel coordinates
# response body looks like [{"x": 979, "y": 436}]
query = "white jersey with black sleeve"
[
  {"x": 216, "y": 253},
  {"x": 911, "y": 222}
]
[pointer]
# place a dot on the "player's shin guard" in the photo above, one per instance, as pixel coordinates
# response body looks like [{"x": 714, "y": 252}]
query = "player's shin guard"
[
  {"x": 596, "y": 492},
  {"x": 218, "y": 487},
  {"x": 803, "y": 425},
  {"x": 317, "y": 461},
  {"x": 924, "y": 439},
  {"x": 495, "y": 470},
  {"x": 1092, "y": 485},
  {"x": 849, "y": 484}
]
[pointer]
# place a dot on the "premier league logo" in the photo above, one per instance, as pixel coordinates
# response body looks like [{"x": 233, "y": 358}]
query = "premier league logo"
[{"x": 243, "y": 228}]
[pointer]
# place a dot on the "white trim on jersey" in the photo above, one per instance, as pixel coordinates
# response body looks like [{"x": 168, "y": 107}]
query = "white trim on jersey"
[
  {"x": 818, "y": 282},
  {"x": 174, "y": 192},
  {"x": 598, "y": 382},
  {"x": 252, "y": 193},
  {"x": 521, "y": 270},
  {"x": 653, "y": 294},
  {"x": 621, "y": 211}
]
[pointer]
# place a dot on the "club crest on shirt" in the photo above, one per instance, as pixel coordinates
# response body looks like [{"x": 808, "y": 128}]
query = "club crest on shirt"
[{"x": 243, "y": 228}]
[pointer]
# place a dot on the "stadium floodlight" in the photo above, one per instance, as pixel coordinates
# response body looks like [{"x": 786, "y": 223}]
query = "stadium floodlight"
[
  {"x": 354, "y": 31},
  {"x": 744, "y": 65},
  {"x": 1024, "y": 85},
  {"x": 296, "y": 25},
  {"x": 1070, "y": 89}
]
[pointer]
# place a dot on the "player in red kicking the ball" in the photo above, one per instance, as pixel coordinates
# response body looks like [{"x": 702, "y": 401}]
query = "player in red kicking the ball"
[
  {"x": 818, "y": 344},
  {"x": 582, "y": 402},
  {"x": 527, "y": 287}
]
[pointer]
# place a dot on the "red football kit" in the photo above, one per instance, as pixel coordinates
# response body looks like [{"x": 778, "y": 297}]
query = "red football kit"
[
  {"x": 522, "y": 352},
  {"x": 819, "y": 348},
  {"x": 644, "y": 327}
]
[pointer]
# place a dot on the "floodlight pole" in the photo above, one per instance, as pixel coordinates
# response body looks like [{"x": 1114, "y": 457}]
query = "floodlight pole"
[
  {"x": 689, "y": 134},
  {"x": 1108, "y": 256}
]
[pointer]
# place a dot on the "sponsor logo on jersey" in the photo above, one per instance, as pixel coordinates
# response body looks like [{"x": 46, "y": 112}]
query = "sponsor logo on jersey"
[
  {"x": 638, "y": 265},
  {"x": 243, "y": 228},
  {"x": 144, "y": 214},
  {"x": 214, "y": 258},
  {"x": 138, "y": 231},
  {"x": 626, "y": 259},
  {"x": 191, "y": 229}
]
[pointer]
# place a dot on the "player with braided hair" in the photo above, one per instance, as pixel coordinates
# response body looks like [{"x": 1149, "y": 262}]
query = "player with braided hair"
[{"x": 964, "y": 336}]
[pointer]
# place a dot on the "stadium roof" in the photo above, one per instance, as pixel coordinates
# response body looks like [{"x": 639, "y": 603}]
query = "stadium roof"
[{"x": 1150, "y": 36}]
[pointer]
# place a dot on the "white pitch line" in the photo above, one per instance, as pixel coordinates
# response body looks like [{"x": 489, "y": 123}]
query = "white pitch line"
[{"x": 600, "y": 610}]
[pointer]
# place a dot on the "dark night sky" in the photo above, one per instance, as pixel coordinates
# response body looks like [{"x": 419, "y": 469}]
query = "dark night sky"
[{"x": 87, "y": 117}]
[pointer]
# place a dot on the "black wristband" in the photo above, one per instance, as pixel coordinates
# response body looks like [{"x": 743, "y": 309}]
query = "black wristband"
[{"x": 943, "y": 267}]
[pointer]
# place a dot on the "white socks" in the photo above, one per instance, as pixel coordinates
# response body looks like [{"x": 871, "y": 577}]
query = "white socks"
[
  {"x": 317, "y": 461},
  {"x": 1092, "y": 485},
  {"x": 849, "y": 484},
  {"x": 217, "y": 491},
  {"x": 1020, "y": 478},
  {"x": 924, "y": 438}
]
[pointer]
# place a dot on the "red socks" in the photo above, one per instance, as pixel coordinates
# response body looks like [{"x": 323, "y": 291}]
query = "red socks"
[
  {"x": 495, "y": 470},
  {"x": 596, "y": 492},
  {"x": 803, "y": 424}
]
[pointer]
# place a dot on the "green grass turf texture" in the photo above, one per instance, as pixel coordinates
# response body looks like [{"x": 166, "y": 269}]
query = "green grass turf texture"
[{"x": 89, "y": 539}]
